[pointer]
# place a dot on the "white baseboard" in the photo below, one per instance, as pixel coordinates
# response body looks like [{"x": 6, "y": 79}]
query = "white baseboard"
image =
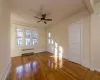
[
  {"x": 96, "y": 69},
  {"x": 85, "y": 65},
  {"x": 92, "y": 69},
  {"x": 6, "y": 72}
]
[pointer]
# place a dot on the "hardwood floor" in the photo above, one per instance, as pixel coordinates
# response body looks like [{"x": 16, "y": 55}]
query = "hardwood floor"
[{"x": 45, "y": 66}]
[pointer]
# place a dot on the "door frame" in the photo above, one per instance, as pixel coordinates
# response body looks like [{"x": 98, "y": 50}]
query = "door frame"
[{"x": 81, "y": 40}]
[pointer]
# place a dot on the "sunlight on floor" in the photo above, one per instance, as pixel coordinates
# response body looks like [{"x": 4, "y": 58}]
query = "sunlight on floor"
[{"x": 58, "y": 56}]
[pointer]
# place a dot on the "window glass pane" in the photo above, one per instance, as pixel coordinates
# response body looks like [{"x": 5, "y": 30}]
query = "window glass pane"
[
  {"x": 28, "y": 42},
  {"x": 19, "y": 35},
  {"x": 49, "y": 38},
  {"x": 34, "y": 37},
  {"x": 28, "y": 36},
  {"x": 49, "y": 34},
  {"x": 35, "y": 41}
]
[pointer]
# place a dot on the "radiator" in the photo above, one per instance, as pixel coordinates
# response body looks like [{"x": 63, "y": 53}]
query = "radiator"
[{"x": 28, "y": 51}]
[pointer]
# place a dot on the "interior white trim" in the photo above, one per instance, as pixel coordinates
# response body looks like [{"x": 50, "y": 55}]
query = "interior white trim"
[
  {"x": 6, "y": 72},
  {"x": 96, "y": 69}
]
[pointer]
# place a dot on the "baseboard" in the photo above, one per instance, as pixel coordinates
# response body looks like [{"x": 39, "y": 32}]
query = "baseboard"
[
  {"x": 92, "y": 69},
  {"x": 6, "y": 72},
  {"x": 85, "y": 65},
  {"x": 96, "y": 69}
]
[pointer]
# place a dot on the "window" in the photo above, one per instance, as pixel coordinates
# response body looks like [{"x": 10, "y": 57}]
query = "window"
[
  {"x": 49, "y": 37},
  {"x": 19, "y": 36},
  {"x": 49, "y": 34},
  {"x": 34, "y": 37},
  {"x": 28, "y": 38}
]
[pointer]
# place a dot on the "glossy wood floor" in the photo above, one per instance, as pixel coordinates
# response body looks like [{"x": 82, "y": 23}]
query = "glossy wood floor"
[{"x": 45, "y": 66}]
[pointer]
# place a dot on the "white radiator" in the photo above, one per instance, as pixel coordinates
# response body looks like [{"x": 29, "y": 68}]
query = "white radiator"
[{"x": 28, "y": 50}]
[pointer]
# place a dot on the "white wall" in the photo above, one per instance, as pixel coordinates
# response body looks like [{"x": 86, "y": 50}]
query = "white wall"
[
  {"x": 59, "y": 33},
  {"x": 86, "y": 43},
  {"x": 17, "y": 50},
  {"x": 95, "y": 41},
  {"x": 4, "y": 39}
]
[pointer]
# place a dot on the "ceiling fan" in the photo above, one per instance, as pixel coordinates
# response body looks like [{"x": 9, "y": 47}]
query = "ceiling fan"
[{"x": 43, "y": 18}]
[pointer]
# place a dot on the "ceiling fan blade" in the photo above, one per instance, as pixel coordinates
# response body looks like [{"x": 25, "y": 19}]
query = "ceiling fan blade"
[
  {"x": 48, "y": 19},
  {"x": 38, "y": 21},
  {"x": 45, "y": 22},
  {"x": 37, "y": 17}
]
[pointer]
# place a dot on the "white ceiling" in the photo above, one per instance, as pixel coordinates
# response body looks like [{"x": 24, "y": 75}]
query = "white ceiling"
[
  {"x": 96, "y": 1},
  {"x": 24, "y": 10},
  {"x": 97, "y": 8}
]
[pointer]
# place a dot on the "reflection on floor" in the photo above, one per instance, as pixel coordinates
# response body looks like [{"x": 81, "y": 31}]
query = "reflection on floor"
[{"x": 46, "y": 66}]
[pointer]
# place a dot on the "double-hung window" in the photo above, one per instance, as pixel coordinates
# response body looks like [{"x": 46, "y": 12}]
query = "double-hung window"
[
  {"x": 49, "y": 37},
  {"x": 19, "y": 36},
  {"x": 34, "y": 37},
  {"x": 27, "y": 37}
]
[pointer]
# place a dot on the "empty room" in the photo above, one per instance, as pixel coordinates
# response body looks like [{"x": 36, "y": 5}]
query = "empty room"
[{"x": 49, "y": 39}]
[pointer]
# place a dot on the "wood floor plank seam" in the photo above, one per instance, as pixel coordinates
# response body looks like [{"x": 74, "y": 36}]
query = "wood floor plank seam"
[
  {"x": 64, "y": 72},
  {"x": 42, "y": 66},
  {"x": 61, "y": 70}
]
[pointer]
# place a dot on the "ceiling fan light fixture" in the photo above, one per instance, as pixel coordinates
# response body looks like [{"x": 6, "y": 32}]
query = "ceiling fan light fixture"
[{"x": 43, "y": 18}]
